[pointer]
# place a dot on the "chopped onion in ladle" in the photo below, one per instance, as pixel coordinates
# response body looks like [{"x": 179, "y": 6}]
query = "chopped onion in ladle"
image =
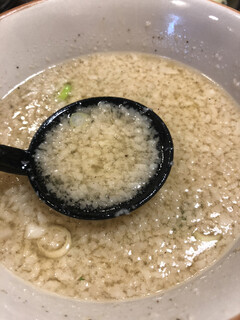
[{"x": 78, "y": 119}]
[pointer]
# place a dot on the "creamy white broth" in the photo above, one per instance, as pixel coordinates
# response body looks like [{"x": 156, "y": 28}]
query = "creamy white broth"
[{"x": 186, "y": 226}]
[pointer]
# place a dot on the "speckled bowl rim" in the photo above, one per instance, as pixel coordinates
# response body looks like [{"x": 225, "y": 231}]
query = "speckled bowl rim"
[{"x": 180, "y": 289}]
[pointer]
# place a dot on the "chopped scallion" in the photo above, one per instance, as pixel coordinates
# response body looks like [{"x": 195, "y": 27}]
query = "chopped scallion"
[
  {"x": 81, "y": 278},
  {"x": 65, "y": 92}
]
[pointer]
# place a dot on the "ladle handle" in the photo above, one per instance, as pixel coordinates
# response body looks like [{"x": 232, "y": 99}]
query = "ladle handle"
[{"x": 13, "y": 160}]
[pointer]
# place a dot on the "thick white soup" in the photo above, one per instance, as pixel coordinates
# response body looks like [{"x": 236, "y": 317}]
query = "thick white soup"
[{"x": 183, "y": 229}]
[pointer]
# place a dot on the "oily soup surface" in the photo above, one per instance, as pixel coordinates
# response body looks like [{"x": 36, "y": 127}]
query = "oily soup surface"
[{"x": 183, "y": 229}]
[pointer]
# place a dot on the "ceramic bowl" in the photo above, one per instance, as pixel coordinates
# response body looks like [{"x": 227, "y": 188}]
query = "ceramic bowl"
[{"x": 201, "y": 34}]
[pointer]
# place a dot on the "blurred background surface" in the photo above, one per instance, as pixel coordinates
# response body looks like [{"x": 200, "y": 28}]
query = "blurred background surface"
[{"x": 8, "y": 4}]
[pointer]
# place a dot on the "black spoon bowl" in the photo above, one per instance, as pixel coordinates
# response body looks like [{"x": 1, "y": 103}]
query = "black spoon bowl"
[{"x": 22, "y": 162}]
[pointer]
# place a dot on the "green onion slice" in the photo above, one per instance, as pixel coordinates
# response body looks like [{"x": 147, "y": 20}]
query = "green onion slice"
[{"x": 65, "y": 92}]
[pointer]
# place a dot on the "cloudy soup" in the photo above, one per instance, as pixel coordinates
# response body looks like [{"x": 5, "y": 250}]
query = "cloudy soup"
[
  {"x": 183, "y": 229},
  {"x": 99, "y": 156}
]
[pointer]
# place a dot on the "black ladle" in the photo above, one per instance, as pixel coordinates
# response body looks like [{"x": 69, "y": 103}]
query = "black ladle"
[{"x": 22, "y": 162}]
